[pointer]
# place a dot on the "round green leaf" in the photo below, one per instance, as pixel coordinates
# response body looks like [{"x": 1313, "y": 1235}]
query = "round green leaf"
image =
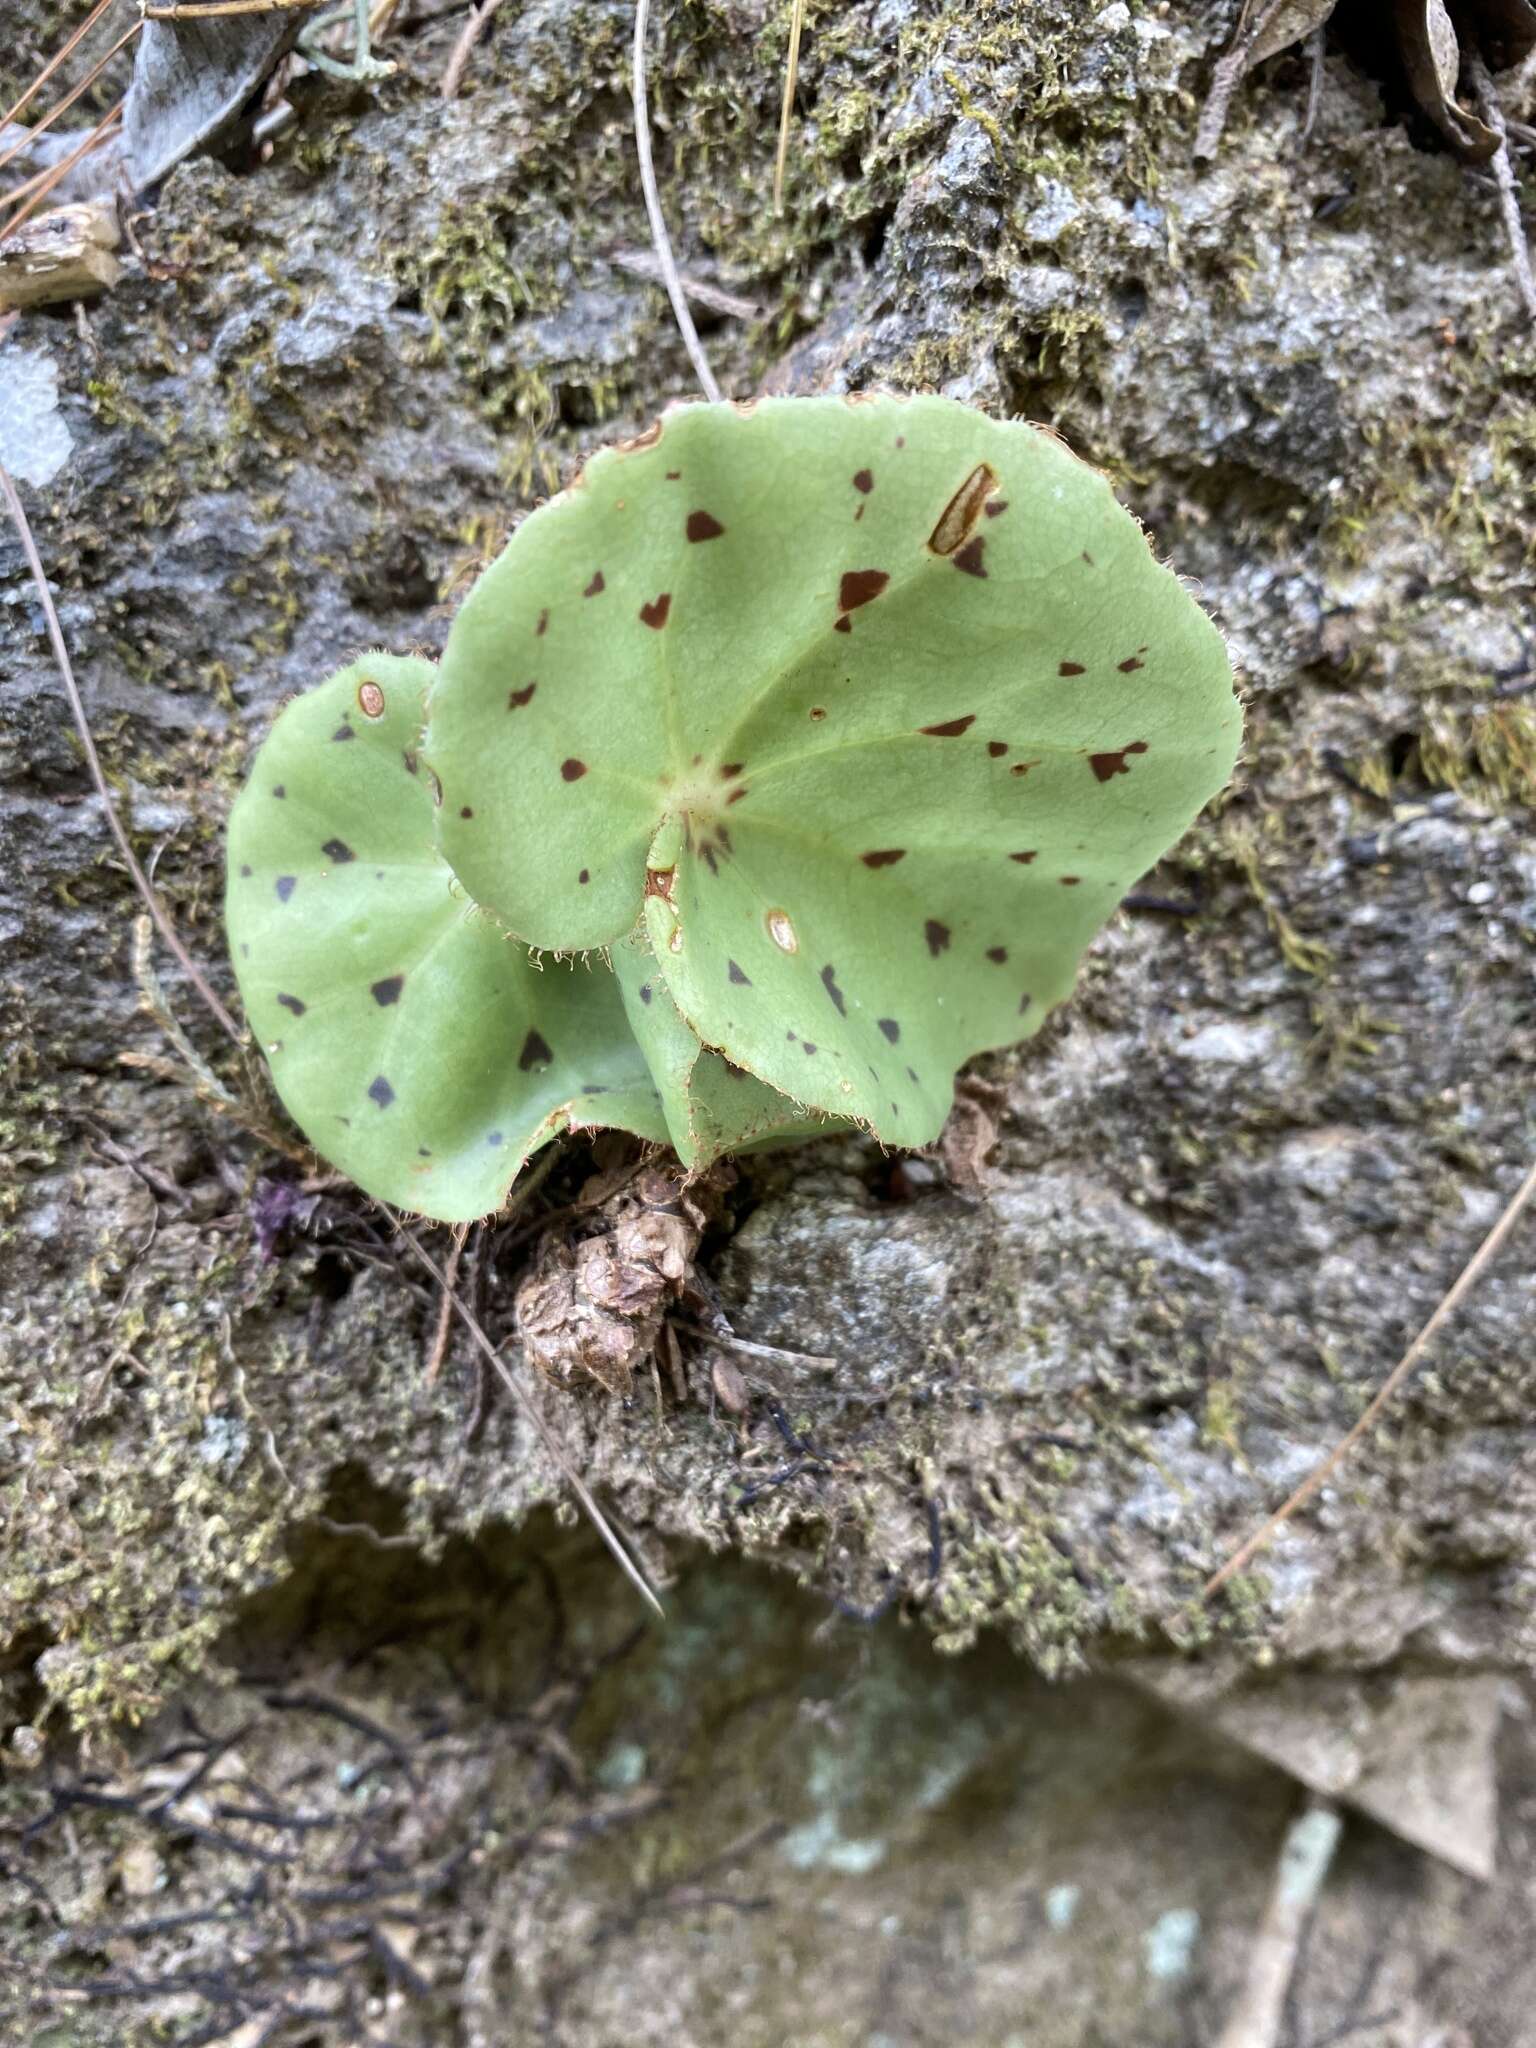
[
  {"x": 872, "y": 710},
  {"x": 416, "y": 1045}
]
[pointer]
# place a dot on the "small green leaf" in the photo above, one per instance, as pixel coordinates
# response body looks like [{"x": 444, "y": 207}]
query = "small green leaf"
[
  {"x": 415, "y": 1044},
  {"x": 713, "y": 1107}
]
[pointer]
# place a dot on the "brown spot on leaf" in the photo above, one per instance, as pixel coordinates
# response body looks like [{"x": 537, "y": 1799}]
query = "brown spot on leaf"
[
  {"x": 998, "y": 954},
  {"x": 293, "y": 1003},
  {"x": 952, "y": 729},
  {"x": 997, "y": 749},
  {"x": 516, "y": 699},
  {"x": 884, "y": 857},
  {"x": 338, "y": 851},
  {"x": 285, "y": 886},
  {"x": 655, "y": 613},
  {"x": 572, "y": 769},
  {"x": 1131, "y": 662},
  {"x": 731, "y": 768},
  {"x": 938, "y": 937},
  {"x": 1071, "y": 668},
  {"x": 860, "y": 586},
  {"x": 585, "y": 875},
  {"x": 660, "y": 882},
  {"x": 388, "y": 990},
  {"x": 969, "y": 558},
  {"x": 703, "y": 526},
  {"x": 1023, "y": 767},
  {"x": 379, "y": 1091},
  {"x": 842, "y": 625},
  {"x": 543, "y": 626},
  {"x": 1069, "y": 881},
  {"x": 818, "y": 712},
  {"x": 1024, "y": 858},
  {"x": 863, "y": 480},
  {"x": 1107, "y": 765},
  {"x": 673, "y": 475},
  {"x": 466, "y": 811},
  {"x": 957, "y": 522},
  {"x": 806, "y": 1043},
  {"x": 710, "y": 858},
  {"x": 597, "y": 586},
  {"x": 736, "y": 795},
  {"x": 343, "y": 732},
  {"x": 370, "y": 699},
  {"x": 535, "y": 1052},
  {"x": 829, "y": 983},
  {"x": 891, "y": 1029},
  {"x": 995, "y": 507},
  {"x": 735, "y": 973}
]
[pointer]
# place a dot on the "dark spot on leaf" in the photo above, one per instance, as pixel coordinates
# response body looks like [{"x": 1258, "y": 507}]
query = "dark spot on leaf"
[
  {"x": 423, "y": 1151},
  {"x": 863, "y": 480},
  {"x": 278, "y": 790},
  {"x": 829, "y": 983},
  {"x": 293, "y": 1003},
  {"x": 673, "y": 475},
  {"x": 997, "y": 749},
  {"x": 703, "y": 526},
  {"x": 285, "y": 885},
  {"x": 1024, "y": 1003},
  {"x": 594, "y": 1088},
  {"x": 596, "y": 587},
  {"x": 343, "y": 732},
  {"x": 645, "y": 991},
  {"x": 338, "y": 851},
  {"x": 655, "y": 613},
  {"x": 860, "y": 586},
  {"x": 245, "y": 874},
  {"x": 938, "y": 937},
  {"x": 516, "y": 699},
  {"x": 995, "y": 507},
  {"x": 1071, "y": 668},
  {"x": 891, "y": 1029},
  {"x": 736, "y": 795},
  {"x": 1088, "y": 558},
  {"x": 410, "y": 761},
  {"x": 997, "y": 953},
  {"x": 388, "y": 990},
  {"x": 585, "y": 875},
  {"x": 912, "y": 1077},
  {"x": 379, "y": 1091},
  {"x": 543, "y": 626},
  {"x": 661, "y": 882},
  {"x": 535, "y": 1053},
  {"x": 573, "y": 770},
  {"x": 730, "y": 769},
  {"x": 842, "y": 625},
  {"x": 1069, "y": 881},
  {"x": 465, "y": 811},
  {"x": 1023, "y": 767},
  {"x": 736, "y": 975},
  {"x": 952, "y": 729},
  {"x": 1131, "y": 662},
  {"x": 885, "y": 857},
  {"x": 808, "y": 1046},
  {"x": 958, "y": 520},
  {"x": 710, "y": 858},
  {"x": 817, "y": 712},
  {"x": 969, "y": 558},
  {"x": 1024, "y": 859},
  {"x": 1106, "y": 765}
]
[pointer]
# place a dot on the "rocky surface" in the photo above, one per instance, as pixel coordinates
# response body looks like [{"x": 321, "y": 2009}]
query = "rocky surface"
[{"x": 1229, "y": 1183}]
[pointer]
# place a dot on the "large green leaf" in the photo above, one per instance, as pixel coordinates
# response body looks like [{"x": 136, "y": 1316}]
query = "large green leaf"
[
  {"x": 415, "y": 1044},
  {"x": 871, "y": 710}
]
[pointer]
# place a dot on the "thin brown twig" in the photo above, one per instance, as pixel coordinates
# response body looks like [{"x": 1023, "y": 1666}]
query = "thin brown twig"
[
  {"x": 660, "y": 239},
  {"x": 141, "y": 881},
  {"x": 212, "y": 10},
  {"x": 464, "y": 43},
  {"x": 786, "y": 114},
  {"x": 531, "y": 1409},
  {"x": 444, "y": 1330},
  {"x": 72, "y": 43},
  {"x": 1466, "y": 1280},
  {"x": 60, "y": 171},
  {"x": 64, "y": 105}
]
